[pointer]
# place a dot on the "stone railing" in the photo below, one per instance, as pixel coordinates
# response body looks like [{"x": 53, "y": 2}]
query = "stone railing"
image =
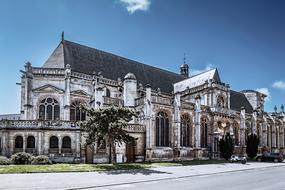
[
  {"x": 223, "y": 110},
  {"x": 28, "y": 124},
  {"x": 135, "y": 128},
  {"x": 48, "y": 71},
  {"x": 81, "y": 76},
  {"x": 113, "y": 101},
  {"x": 161, "y": 100}
]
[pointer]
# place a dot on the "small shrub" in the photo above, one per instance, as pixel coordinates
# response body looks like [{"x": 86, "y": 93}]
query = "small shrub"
[
  {"x": 252, "y": 145},
  {"x": 21, "y": 158},
  {"x": 226, "y": 146},
  {"x": 4, "y": 160},
  {"x": 41, "y": 160}
]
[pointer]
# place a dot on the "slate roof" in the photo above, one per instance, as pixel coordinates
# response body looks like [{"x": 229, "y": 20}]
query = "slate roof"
[
  {"x": 88, "y": 60},
  {"x": 239, "y": 100},
  {"x": 197, "y": 80}
]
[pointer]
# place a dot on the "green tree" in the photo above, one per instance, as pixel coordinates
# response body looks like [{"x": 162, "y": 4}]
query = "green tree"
[
  {"x": 252, "y": 145},
  {"x": 109, "y": 124},
  {"x": 226, "y": 145}
]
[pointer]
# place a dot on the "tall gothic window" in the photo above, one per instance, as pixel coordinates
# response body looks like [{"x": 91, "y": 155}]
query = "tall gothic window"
[
  {"x": 108, "y": 93},
  {"x": 19, "y": 142},
  {"x": 220, "y": 102},
  {"x": 236, "y": 133},
  {"x": 162, "y": 129},
  {"x": 269, "y": 131},
  {"x": 204, "y": 133},
  {"x": 247, "y": 131},
  {"x": 185, "y": 131},
  {"x": 31, "y": 142},
  {"x": 53, "y": 142},
  {"x": 66, "y": 142},
  {"x": 76, "y": 113},
  {"x": 49, "y": 109}
]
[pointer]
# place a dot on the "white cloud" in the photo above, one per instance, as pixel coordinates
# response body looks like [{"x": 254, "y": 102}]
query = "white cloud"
[
  {"x": 136, "y": 5},
  {"x": 198, "y": 71},
  {"x": 266, "y": 92},
  {"x": 279, "y": 84}
]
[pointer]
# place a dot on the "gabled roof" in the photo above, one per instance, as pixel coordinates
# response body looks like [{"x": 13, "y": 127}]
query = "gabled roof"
[
  {"x": 197, "y": 80},
  {"x": 89, "y": 60},
  {"x": 239, "y": 100}
]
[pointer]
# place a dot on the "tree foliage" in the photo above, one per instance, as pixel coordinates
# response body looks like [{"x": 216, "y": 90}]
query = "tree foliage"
[
  {"x": 226, "y": 145},
  {"x": 252, "y": 145},
  {"x": 109, "y": 124}
]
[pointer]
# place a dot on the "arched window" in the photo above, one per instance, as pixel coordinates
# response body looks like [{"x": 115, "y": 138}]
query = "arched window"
[
  {"x": 31, "y": 142},
  {"x": 220, "y": 102},
  {"x": 53, "y": 142},
  {"x": 19, "y": 142},
  {"x": 185, "y": 131},
  {"x": 247, "y": 131},
  {"x": 268, "y": 135},
  {"x": 204, "y": 133},
  {"x": 66, "y": 142},
  {"x": 49, "y": 109},
  {"x": 236, "y": 133},
  {"x": 108, "y": 93},
  {"x": 162, "y": 129},
  {"x": 76, "y": 113}
]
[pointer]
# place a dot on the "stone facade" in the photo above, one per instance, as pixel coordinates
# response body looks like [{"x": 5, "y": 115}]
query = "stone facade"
[{"x": 179, "y": 125}]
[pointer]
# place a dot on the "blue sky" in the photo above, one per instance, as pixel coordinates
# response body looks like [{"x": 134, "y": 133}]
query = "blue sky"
[{"x": 244, "y": 39}]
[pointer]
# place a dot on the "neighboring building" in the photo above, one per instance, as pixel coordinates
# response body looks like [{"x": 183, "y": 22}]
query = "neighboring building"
[{"x": 180, "y": 117}]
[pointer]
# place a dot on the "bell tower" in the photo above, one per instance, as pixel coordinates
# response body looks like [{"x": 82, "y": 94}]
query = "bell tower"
[{"x": 184, "y": 68}]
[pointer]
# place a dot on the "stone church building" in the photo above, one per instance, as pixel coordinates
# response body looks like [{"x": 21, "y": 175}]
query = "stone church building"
[{"x": 180, "y": 118}]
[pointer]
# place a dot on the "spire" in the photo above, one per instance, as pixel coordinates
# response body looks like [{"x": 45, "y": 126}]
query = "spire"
[{"x": 62, "y": 36}]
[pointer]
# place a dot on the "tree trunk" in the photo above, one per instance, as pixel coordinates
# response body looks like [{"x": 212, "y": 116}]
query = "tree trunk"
[{"x": 113, "y": 153}]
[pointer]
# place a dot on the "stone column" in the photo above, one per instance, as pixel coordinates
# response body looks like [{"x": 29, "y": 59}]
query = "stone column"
[
  {"x": 4, "y": 143},
  {"x": 253, "y": 120},
  {"x": 177, "y": 121},
  {"x": 24, "y": 142},
  {"x": 264, "y": 132},
  {"x": 46, "y": 143},
  {"x": 59, "y": 144},
  {"x": 28, "y": 78},
  {"x": 150, "y": 124},
  {"x": 273, "y": 136},
  {"x": 281, "y": 140},
  {"x": 77, "y": 147},
  {"x": 197, "y": 122},
  {"x": 40, "y": 143},
  {"x": 67, "y": 93},
  {"x": 242, "y": 127}
]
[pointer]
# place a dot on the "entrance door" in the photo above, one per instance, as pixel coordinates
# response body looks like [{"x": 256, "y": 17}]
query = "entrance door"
[
  {"x": 89, "y": 154},
  {"x": 130, "y": 152}
]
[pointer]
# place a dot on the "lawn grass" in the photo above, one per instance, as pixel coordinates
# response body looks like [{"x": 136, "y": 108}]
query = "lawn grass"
[{"x": 97, "y": 167}]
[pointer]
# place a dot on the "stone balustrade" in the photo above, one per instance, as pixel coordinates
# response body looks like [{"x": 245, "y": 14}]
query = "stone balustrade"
[
  {"x": 223, "y": 110},
  {"x": 161, "y": 100},
  {"x": 36, "y": 124},
  {"x": 113, "y": 101},
  {"x": 135, "y": 128}
]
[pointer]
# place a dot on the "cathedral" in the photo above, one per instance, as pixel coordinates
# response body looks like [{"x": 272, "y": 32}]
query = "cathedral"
[{"x": 181, "y": 117}]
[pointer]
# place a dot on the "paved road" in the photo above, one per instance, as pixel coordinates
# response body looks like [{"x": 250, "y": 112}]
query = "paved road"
[
  {"x": 215, "y": 176},
  {"x": 261, "y": 179}
]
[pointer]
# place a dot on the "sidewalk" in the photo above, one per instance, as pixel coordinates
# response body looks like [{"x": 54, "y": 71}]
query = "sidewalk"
[{"x": 107, "y": 178}]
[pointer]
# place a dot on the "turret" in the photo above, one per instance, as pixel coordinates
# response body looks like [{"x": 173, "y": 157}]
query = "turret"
[
  {"x": 184, "y": 68},
  {"x": 130, "y": 90}
]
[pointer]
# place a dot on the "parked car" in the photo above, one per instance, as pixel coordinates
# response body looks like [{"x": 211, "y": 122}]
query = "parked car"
[
  {"x": 270, "y": 157},
  {"x": 235, "y": 158}
]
